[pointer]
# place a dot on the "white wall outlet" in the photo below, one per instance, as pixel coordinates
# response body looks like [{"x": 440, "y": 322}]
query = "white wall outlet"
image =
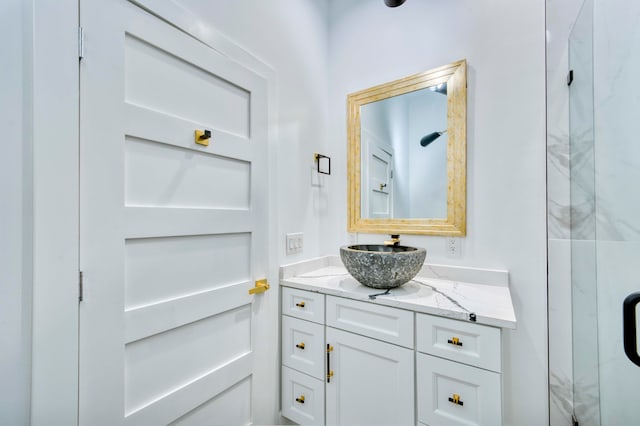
[
  {"x": 452, "y": 246},
  {"x": 294, "y": 243},
  {"x": 353, "y": 238}
]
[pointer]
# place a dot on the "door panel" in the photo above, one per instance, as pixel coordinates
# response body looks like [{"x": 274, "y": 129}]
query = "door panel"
[
  {"x": 173, "y": 234},
  {"x": 228, "y": 408},
  {"x": 151, "y": 74},
  {"x": 156, "y": 365},
  {"x": 153, "y": 266},
  {"x": 160, "y": 175}
]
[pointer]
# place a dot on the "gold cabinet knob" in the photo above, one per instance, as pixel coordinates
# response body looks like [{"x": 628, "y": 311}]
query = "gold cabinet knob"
[
  {"x": 300, "y": 305},
  {"x": 300, "y": 345},
  {"x": 455, "y": 398},
  {"x": 300, "y": 399},
  {"x": 454, "y": 341}
]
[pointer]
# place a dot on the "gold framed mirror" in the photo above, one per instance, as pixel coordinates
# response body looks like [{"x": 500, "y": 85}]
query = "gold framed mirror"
[{"x": 407, "y": 154}]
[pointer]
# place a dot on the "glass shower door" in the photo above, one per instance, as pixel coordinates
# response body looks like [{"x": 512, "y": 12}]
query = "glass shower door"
[{"x": 604, "y": 50}]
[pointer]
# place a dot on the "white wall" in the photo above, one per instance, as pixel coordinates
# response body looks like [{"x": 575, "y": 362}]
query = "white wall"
[
  {"x": 428, "y": 164},
  {"x": 504, "y": 44},
  {"x": 15, "y": 215}
]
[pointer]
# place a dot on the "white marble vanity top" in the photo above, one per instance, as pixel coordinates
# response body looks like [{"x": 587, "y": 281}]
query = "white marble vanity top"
[{"x": 449, "y": 291}]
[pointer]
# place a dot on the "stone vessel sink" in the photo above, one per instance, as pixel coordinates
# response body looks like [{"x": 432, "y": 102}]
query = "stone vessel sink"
[{"x": 381, "y": 266}]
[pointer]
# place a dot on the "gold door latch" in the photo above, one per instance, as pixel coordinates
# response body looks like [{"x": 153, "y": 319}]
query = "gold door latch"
[
  {"x": 300, "y": 399},
  {"x": 261, "y": 286},
  {"x": 300, "y": 305},
  {"x": 454, "y": 341},
  {"x": 300, "y": 345},
  {"x": 202, "y": 137},
  {"x": 455, "y": 398}
]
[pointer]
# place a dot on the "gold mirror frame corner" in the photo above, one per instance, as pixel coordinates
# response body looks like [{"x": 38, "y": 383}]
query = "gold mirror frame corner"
[{"x": 455, "y": 75}]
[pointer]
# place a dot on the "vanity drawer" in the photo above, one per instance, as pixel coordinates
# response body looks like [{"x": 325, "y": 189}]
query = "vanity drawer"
[
  {"x": 303, "y": 304},
  {"x": 303, "y": 346},
  {"x": 302, "y": 398},
  {"x": 472, "y": 344},
  {"x": 380, "y": 322},
  {"x": 454, "y": 394}
]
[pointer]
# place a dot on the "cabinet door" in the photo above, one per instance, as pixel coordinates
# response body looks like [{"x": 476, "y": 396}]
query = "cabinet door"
[{"x": 372, "y": 381}]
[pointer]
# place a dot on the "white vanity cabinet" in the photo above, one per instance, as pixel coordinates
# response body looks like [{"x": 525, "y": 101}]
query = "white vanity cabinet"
[
  {"x": 353, "y": 356},
  {"x": 350, "y": 362}
]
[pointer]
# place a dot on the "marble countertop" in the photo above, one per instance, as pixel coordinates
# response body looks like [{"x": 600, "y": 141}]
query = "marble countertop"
[{"x": 449, "y": 291}]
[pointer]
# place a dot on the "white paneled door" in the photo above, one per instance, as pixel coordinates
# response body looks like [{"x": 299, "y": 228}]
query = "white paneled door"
[{"x": 172, "y": 232}]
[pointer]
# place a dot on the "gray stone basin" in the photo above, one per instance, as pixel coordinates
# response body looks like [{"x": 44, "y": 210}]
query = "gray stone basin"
[{"x": 380, "y": 266}]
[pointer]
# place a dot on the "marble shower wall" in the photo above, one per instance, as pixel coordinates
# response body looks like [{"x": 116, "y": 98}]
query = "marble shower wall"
[{"x": 617, "y": 171}]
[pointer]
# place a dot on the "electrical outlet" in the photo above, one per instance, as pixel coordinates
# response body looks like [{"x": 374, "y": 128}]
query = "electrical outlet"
[
  {"x": 452, "y": 246},
  {"x": 353, "y": 238},
  {"x": 294, "y": 243}
]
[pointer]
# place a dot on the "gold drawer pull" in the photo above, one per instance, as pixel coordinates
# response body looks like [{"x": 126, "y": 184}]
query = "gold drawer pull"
[
  {"x": 300, "y": 305},
  {"x": 300, "y": 345},
  {"x": 300, "y": 399},
  {"x": 329, "y": 370},
  {"x": 456, "y": 399},
  {"x": 455, "y": 341}
]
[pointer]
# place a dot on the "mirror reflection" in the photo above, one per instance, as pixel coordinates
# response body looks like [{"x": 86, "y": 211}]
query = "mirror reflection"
[{"x": 404, "y": 155}]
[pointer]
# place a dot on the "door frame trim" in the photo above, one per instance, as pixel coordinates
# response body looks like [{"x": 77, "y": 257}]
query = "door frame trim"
[{"x": 55, "y": 133}]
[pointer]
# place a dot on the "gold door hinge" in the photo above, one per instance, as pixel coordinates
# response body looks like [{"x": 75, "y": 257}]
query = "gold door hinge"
[{"x": 261, "y": 286}]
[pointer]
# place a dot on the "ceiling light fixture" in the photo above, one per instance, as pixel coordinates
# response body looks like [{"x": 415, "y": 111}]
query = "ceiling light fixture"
[{"x": 394, "y": 3}]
